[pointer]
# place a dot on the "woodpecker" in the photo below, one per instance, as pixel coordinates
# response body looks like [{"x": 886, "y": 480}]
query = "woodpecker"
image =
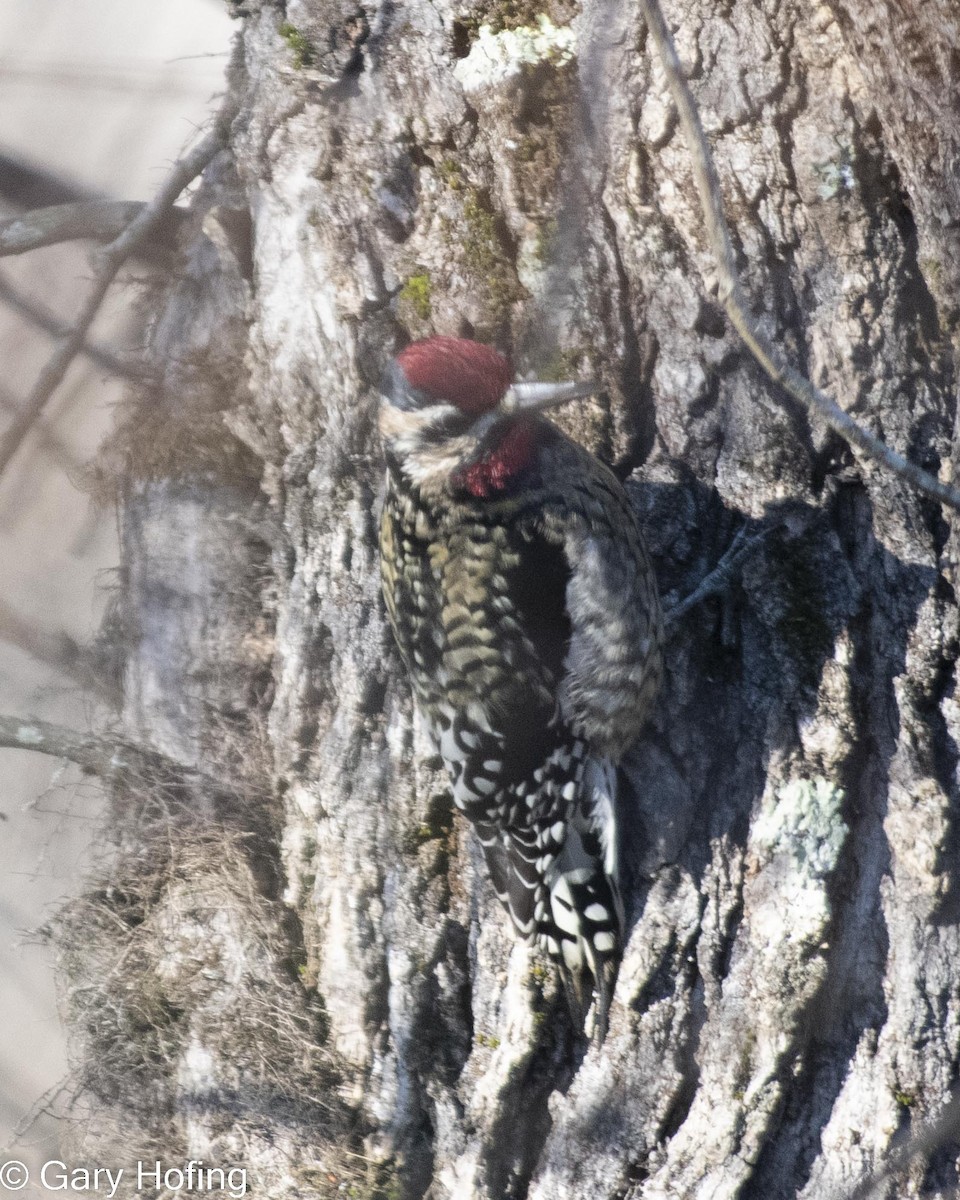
[{"x": 526, "y": 613}]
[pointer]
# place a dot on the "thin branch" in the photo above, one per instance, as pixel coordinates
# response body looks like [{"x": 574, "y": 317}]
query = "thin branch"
[
  {"x": 719, "y": 579},
  {"x": 96, "y": 754},
  {"x": 27, "y": 185},
  {"x": 47, "y": 437},
  {"x": 99, "y": 755},
  {"x": 107, "y": 263},
  {"x": 99, "y": 220},
  {"x": 55, "y": 650},
  {"x": 184, "y": 172},
  {"x": 56, "y": 367},
  {"x": 732, "y": 296},
  {"x": 37, "y": 315}
]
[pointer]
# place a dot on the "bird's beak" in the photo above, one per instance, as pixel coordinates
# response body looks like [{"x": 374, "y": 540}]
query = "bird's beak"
[{"x": 531, "y": 397}]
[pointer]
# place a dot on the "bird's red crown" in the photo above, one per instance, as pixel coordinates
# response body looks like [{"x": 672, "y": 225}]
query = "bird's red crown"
[{"x": 468, "y": 374}]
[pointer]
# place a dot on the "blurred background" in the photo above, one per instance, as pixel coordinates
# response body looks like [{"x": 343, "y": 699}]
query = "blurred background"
[{"x": 97, "y": 98}]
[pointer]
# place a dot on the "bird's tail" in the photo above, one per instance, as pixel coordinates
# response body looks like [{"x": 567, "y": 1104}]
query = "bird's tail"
[
  {"x": 582, "y": 924},
  {"x": 557, "y": 877}
]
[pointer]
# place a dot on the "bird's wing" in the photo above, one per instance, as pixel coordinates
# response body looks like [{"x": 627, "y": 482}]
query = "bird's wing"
[{"x": 611, "y": 667}]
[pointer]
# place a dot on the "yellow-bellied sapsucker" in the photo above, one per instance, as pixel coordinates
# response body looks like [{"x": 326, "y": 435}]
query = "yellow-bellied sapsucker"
[{"x": 526, "y": 612}]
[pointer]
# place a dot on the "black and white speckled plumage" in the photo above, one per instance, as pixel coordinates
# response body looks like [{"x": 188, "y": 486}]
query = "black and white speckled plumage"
[{"x": 529, "y": 623}]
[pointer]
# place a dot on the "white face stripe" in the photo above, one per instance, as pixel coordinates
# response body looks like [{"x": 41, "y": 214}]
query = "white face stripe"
[
  {"x": 403, "y": 432},
  {"x": 400, "y": 422},
  {"x": 423, "y": 461}
]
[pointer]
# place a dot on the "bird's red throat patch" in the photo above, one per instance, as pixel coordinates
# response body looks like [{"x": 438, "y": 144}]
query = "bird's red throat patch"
[{"x": 497, "y": 471}]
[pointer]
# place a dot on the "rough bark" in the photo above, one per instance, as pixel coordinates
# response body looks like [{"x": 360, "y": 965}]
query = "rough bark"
[{"x": 789, "y": 1001}]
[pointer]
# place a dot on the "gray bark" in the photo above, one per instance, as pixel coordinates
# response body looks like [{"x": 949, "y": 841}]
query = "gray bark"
[{"x": 309, "y": 973}]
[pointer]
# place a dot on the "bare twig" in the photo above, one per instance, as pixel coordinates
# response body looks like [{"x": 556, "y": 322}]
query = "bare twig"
[
  {"x": 731, "y": 294},
  {"x": 48, "y": 439},
  {"x": 99, "y": 220},
  {"x": 107, "y": 263},
  {"x": 98, "y": 754},
  {"x": 55, "y": 650},
  {"x": 184, "y": 172},
  {"x": 719, "y": 578},
  {"x": 37, "y": 315},
  {"x": 27, "y": 185}
]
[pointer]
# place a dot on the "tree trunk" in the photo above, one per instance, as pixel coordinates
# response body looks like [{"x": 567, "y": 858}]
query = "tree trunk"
[{"x": 311, "y": 977}]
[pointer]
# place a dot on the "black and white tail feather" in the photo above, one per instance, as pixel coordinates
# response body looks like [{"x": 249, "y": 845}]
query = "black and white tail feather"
[{"x": 550, "y": 842}]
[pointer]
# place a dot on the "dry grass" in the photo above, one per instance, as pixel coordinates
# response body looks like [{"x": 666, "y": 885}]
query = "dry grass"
[{"x": 193, "y": 1026}]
